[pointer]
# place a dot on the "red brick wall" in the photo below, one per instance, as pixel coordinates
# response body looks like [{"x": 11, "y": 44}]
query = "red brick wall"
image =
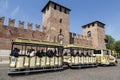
[{"x": 9, "y": 33}]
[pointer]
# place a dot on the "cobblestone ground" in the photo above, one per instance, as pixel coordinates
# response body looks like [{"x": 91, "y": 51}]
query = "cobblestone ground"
[{"x": 100, "y": 73}]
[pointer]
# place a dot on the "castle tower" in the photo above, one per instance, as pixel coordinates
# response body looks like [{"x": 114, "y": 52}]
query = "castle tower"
[
  {"x": 55, "y": 21},
  {"x": 96, "y": 31}
]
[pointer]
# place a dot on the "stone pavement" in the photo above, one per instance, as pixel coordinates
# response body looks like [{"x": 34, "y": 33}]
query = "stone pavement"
[
  {"x": 4, "y": 62},
  {"x": 4, "y": 59},
  {"x": 99, "y": 73}
]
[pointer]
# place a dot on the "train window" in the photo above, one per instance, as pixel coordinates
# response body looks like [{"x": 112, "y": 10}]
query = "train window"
[{"x": 97, "y": 52}]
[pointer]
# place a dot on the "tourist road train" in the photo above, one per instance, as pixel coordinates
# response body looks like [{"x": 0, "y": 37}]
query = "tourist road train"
[{"x": 36, "y": 56}]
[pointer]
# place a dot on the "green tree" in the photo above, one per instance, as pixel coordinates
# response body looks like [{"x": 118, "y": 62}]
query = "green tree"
[
  {"x": 117, "y": 47},
  {"x": 110, "y": 42}
]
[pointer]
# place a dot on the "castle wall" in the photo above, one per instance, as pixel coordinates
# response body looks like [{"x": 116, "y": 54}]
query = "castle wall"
[
  {"x": 9, "y": 33},
  {"x": 81, "y": 40}
]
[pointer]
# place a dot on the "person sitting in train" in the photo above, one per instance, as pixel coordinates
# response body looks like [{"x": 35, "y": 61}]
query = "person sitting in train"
[
  {"x": 80, "y": 54},
  {"x": 87, "y": 54},
  {"x": 38, "y": 53},
  {"x": 49, "y": 53},
  {"x": 65, "y": 54},
  {"x": 28, "y": 52},
  {"x": 52, "y": 53},
  {"x": 15, "y": 52},
  {"x": 32, "y": 52},
  {"x": 55, "y": 53},
  {"x": 77, "y": 53},
  {"x": 73, "y": 54},
  {"x": 42, "y": 53},
  {"x": 84, "y": 54}
]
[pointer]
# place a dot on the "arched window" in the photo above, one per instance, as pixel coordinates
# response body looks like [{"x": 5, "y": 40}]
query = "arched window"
[{"x": 89, "y": 33}]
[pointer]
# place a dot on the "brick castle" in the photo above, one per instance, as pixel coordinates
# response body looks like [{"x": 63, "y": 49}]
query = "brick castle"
[{"x": 55, "y": 21}]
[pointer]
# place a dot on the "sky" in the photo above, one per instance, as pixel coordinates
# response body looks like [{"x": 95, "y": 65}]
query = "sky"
[{"x": 82, "y": 12}]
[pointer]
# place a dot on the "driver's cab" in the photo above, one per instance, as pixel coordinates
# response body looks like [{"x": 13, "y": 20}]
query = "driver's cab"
[
  {"x": 100, "y": 52},
  {"x": 104, "y": 57}
]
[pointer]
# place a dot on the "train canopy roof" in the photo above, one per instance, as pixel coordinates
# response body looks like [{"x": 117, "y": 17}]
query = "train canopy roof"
[
  {"x": 31, "y": 42},
  {"x": 77, "y": 46}
]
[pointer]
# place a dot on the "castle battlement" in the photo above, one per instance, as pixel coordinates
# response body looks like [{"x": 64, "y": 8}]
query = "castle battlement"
[
  {"x": 9, "y": 32},
  {"x": 2, "y": 20},
  {"x": 79, "y": 36},
  {"x": 81, "y": 39},
  {"x": 21, "y": 25},
  {"x": 11, "y": 24},
  {"x": 95, "y": 23}
]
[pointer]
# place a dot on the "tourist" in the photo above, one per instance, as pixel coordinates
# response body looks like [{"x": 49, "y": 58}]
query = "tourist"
[
  {"x": 32, "y": 52},
  {"x": 15, "y": 52}
]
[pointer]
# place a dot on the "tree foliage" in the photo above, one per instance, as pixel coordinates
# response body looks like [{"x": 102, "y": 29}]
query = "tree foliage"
[
  {"x": 110, "y": 42},
  {"x": 117, "y": 46}
]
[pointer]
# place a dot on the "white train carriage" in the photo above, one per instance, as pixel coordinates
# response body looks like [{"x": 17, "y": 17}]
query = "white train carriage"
[
  {"x": 47, "y": 56},
  {"x": 80, "y": 56}
]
